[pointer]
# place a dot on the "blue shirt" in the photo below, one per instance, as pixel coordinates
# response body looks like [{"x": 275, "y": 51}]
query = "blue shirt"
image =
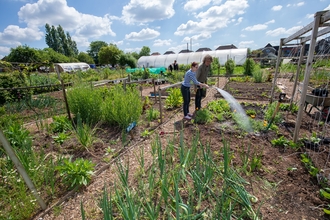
[{"x": 190, "y": 76}]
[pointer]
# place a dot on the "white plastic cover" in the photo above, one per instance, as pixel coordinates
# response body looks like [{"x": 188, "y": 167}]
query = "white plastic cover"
[{"x": 238, "y": 55}]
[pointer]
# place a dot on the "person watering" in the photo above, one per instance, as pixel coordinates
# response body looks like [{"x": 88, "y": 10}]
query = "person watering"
[
  {"x": 185, "y": 88},
  {"x": 201, "y": 75}
]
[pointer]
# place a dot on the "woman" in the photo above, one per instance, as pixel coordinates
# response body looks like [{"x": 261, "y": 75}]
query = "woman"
[{"x": 185, "y": 88}]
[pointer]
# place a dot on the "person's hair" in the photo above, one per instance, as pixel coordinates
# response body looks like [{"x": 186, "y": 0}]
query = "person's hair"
[
  {"x": 207, "y": 57},
  {"x": 193, "y": 64}
]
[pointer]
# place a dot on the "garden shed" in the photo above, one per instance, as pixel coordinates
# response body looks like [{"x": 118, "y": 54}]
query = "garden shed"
[
  {"x": 71, "y": 67},
  {"x": 238, "y": 55}
]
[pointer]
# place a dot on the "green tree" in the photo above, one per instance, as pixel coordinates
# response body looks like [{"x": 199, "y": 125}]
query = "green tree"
[
  {"x": 53, "y": 56},
  {"x": 24, "y": 54},
  {"x": 94, "y": 49},
  {"x": 109, "y": 55},
  {"x": 135, "y": 55},
  {"x": 127, "y": 59},
  {"x": 60, "y": 41},
  {"x": 145, "y": 51},
  {"x": 84, "y": 57}
]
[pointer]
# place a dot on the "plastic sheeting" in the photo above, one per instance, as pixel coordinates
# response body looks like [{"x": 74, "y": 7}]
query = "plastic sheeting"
[
  {"x": 72, "y": 67},
  {"x": 151, "y": 70},
  {"x": 238, "y": 55}
]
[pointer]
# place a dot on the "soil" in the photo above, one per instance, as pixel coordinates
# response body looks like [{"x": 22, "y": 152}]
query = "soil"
[{"x": 283, "y": 183}]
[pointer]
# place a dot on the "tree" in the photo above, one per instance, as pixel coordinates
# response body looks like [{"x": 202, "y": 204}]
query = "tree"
[
  {"x": 24, "y": 54},
  {"x": 84, "y": 57},
  {"x": 135, "y": 55},
  {"x": 95, "y": 48},
  {"x": 127, "y": 59},
  {"x": 145, "y": 51},
  {"x": 59, "y": 41},
  {"x": 109, "y": 55},
  {"x": 53, "y": 56}
]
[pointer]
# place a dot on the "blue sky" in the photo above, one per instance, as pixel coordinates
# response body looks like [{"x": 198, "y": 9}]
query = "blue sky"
[{"x": 162, "y": 25}]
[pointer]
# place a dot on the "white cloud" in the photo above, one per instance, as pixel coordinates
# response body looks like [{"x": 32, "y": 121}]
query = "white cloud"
[
  {"x": 160, "y": 43},
  {"x": 13, "y": 35},
  {"x": 144, "y": 34},
  {"x": 193, "y": 5},
  {"x": 259, "y": 27},
  {"x": 141, "y": 11},
  {"x": 245, "y": 44},
  {"x": 270, "y": 22},
  {"x": 256, "y": 27},
  {"x": 327, "y": 8},
  {"x": 283, "y": 31},
  {"x": 299, "y": 4},
  {"x": 239, "y": 20},
  {"x": 198, "y": 37},
  {"x": 243, "y": 35},
  {"x": 57, "y": 12},
  {"x": 277, "y": 8},
  {"x": 215, "y": 18}
]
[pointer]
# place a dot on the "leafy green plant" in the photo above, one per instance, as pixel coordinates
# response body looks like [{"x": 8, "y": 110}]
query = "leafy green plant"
[
  {"x": 84, "y": 133},
  {"x": 174, "y": 98},
  {"x": 60, "y": 123},
  {"x": 76, "y": 173},
  {"x": 60, "y": 138},
  {"x": 203, "y": 116},
  {"x": 282, "y": 142},
  {"x": 152, "y": 114}
]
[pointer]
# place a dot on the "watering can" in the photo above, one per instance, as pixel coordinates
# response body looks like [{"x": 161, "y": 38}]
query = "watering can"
[{"x": 280, "y": 100}]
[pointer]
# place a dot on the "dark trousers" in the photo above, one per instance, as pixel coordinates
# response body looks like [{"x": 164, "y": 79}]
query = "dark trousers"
[
  {"x": 198, "y": 98},
  {"x": 186, "y": 99}
]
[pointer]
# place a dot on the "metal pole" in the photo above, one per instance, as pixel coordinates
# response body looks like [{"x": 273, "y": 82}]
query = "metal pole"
[{"x": 10, "y": 152}]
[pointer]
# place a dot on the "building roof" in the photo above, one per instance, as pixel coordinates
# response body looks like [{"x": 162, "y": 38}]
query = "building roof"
[
  {"x": 169, "y": 52},
  {"x": 226, "y": 47},
  {"x": 203, "y": 49},
  {"x": 186, "y": 51}
]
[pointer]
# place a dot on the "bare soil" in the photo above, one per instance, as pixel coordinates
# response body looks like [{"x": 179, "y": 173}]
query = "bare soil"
[{"x": 283, "y": 185}]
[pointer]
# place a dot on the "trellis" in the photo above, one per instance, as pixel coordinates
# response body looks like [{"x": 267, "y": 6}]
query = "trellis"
[{"x": 319, "y": 27}]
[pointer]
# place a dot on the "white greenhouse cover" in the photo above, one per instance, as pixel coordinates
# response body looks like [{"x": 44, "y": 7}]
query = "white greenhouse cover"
[
  {"x": 69, "y": 67},
  {"x": 238, "y": 55}
]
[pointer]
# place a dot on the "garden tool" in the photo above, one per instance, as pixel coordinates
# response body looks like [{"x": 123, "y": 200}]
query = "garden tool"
[{"x": 280, "y": 100}]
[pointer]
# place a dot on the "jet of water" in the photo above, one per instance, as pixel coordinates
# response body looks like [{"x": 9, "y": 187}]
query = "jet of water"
[{"x": 237, "y": 108}]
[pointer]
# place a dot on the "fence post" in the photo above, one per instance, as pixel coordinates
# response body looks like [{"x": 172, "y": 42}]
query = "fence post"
[{"x": 160, "y": 104}]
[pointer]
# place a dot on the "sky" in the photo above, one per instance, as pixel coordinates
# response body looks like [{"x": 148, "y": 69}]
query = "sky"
[{"x": 161, "y": 25}]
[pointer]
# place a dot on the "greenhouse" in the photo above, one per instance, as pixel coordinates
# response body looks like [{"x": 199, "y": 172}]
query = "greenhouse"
[
  {"x": 72, "y": 67},
  {"x": 238, "y": 55}
]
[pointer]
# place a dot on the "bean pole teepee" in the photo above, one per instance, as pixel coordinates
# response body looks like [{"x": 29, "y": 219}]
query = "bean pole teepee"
[{"x": 320, "y": 26}]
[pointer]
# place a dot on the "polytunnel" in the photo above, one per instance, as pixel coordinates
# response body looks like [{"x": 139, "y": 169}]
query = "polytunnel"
[{"x": 238, "y": 55}]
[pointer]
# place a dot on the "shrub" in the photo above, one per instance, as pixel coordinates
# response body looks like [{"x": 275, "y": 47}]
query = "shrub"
[
  {"x": 122, "y": 107},
  {"x": 248, "y": 66},
  {"x": 258, "y": 76},
  {"x": 87, "y": 102},
  {"x": 230, "y": 66}
]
